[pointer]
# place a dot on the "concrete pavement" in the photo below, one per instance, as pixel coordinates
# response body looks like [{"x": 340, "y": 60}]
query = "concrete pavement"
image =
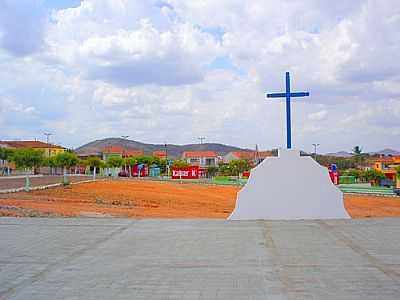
[{"x": 49, "y": 258}]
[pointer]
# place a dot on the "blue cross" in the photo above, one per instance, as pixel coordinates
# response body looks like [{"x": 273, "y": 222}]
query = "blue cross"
[{"x": 288, "y": 95}]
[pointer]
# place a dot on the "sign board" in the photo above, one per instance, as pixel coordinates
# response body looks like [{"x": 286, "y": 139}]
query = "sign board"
[{"x": 192, "y": 172}]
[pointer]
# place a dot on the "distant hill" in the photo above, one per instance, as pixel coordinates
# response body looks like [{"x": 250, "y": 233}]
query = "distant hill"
[
  {"x": 174, "y": 151},
  {"x": 339, "y": 154},
  {"x": 386, "y": 152}
]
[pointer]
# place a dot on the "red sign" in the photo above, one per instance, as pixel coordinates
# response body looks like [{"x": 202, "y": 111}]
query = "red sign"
[
  {"x": 144, "y": 171},
  {"x": 246, "y": 174},
  {"x": 192, "y": 172}
]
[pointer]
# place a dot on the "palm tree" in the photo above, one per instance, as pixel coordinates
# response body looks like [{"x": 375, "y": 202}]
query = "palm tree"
[{"x": 357, "y": 150}]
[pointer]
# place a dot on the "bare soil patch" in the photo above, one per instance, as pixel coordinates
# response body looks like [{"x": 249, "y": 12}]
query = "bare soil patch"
[{"x": 149, "y": 199}]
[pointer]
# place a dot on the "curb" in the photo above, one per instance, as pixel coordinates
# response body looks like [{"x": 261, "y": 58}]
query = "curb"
[{"x": 44, "y": 187}]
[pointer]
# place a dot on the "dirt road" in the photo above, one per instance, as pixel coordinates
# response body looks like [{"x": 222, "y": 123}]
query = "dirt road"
[{"x": 148, "y": 199}]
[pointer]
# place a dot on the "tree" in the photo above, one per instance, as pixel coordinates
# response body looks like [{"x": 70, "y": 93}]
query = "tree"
[
  {"x": 238, "y": 166},
  {"x": 163, "y": 166},
  {"x": 27, "y": 159},
  {"x": 179, "y": 163},
  {"x": 51, "y": 163},
  {"x": 130, "y": 161},
  {"x": 397, "y": 176},
  {"x": 357, "y": 150},
  {"x": 147, "y": 160},
  {"x": 353, "y": 172},
  {"x": 224, "y": 169},
  {"x": 5, "y": 155},
  {"x": 212, "y": 171},
  {"x": 94, "y": 162},
  {"x": 373, "y": 176},
  {"x": 114, "y": 162},
  {"x": 66, "y": 160}
]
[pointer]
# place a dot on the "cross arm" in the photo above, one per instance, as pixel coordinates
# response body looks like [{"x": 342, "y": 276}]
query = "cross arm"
[
  {"x": 299, "y": 94},
  {"x": 284, "y": 95},
  {"x": 276, "y": 95}
]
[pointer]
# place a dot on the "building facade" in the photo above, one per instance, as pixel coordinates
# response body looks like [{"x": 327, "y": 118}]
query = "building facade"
[{"x": 200, "y": 158}]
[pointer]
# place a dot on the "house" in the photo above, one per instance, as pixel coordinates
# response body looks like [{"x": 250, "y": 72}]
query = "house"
[
  {"x": 254, "y": 157},
  {"x": 161, "y": 154},
  {"x": 120, "y": 151},
  {"x": 236, "y": 155},
  {"x": 261, "y": 155},
  {"x": 387, "y": 166},
  {"x": 200, "y": 158},
  {"x": 49, "y": 150}
]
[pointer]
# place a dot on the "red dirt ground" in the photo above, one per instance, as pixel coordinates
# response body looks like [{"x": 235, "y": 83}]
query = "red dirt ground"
[{"x": 149, "y": 199}]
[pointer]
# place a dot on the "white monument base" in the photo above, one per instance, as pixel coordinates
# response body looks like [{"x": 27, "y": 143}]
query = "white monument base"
[{"x": 289, "y": 187}]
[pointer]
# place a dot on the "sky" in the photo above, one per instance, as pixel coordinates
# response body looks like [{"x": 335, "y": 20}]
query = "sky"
[{"x": 173, "y": 70}]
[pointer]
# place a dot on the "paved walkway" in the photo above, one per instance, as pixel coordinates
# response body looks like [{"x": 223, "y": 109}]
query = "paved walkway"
[
  {"x": 209, "y": 259},
  {"x": 13, "y": 183}
]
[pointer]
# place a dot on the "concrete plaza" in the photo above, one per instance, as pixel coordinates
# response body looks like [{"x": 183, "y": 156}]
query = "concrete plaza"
[{"x": 49, "y": 258}]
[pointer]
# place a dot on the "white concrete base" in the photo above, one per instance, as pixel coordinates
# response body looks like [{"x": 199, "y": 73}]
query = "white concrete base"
[{"x": 289, "y": 187}]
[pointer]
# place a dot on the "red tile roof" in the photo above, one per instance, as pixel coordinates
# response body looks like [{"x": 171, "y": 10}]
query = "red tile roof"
[
  {"x": 30, "y": 144},
  {"x": 244, "y": 154},
  {"x": 251, "y": 154},
  {"x": 198, "y": 154},
  {"x": 160, "y": 153},
  {"x": 264, "y": 154},
  {"x": 124, "y": 152},
  {"x": 132, "y": 152},
  {"x": 113, "y": 150}
]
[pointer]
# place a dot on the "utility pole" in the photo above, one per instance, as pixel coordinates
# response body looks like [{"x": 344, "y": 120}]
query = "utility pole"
[
  {"x": 201, "y": 138},
  {"x": 166, "y": 159},
  {"x": 125, "y": 137},
  {"x": 315, "y": 150},
  {"x": 48, "y": 134}
]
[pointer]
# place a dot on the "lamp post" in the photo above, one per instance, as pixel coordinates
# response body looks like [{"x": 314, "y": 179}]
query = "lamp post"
[
  {"x": 315, "y": 150},
  {"x": 201, "y": 138},
  {"x": 166, "y": 158}
]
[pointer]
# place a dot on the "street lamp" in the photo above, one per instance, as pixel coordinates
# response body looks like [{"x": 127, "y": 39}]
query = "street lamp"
[
  {"x": 201, "y": 138},
  {"x": 315, "y": 150}
]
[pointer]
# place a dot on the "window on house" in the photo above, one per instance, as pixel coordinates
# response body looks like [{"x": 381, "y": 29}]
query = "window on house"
[{"x": 210, "y": 161}]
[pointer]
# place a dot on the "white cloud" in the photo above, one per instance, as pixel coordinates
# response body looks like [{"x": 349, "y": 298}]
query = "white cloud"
[
  {"x": 136, "y": 50},
  {"x": 146, "y": 68},
  {"x": 318, "y": 116}
]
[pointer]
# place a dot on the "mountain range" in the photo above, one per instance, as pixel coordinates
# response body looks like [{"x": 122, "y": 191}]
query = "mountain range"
[
  {"x": 174, "y": 151},
  {"x": 385, "y": 152}
]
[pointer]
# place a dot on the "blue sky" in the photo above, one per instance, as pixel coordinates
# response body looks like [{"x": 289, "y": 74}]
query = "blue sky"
[
  {"x": 61, "y": 4},
  {"x": 174, "y": 70}
]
